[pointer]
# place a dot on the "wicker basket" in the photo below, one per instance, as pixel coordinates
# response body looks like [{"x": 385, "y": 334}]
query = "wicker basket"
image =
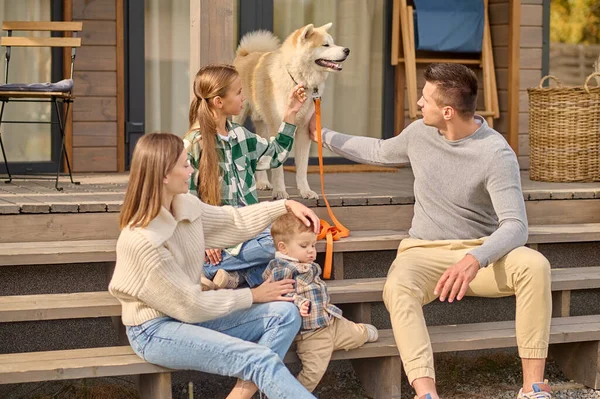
[{"x": 564, "y": 132}]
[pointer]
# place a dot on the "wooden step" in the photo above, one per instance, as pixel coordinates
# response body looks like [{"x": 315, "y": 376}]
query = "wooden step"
[
  {"x": 476, "y": 336},
  {"x": 371, "y": 289},
  {"x": 358, "y": 213},
  {"x": 102, "y": 304},
  {"x": 82, "y": 251},
  {"x": 562, "y": 233},
  {"x": 58, "y": 306},
  {"x": 73, "y": 364},
  {"x": 55, "y": 252},
  {"x": 114, "y": 361}
]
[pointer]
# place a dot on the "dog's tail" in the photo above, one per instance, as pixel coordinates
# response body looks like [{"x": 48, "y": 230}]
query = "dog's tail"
[{"x": 260, "y": 41}]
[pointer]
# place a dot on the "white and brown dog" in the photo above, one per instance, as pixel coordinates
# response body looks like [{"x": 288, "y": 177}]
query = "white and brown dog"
[{"x": 269, "y": 71}]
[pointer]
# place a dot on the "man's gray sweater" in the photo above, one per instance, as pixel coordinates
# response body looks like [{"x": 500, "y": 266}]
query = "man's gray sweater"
[{"x": 464, "y": 189}]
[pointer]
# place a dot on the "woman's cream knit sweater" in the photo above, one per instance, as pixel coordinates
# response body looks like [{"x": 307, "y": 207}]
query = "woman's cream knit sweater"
[{"x": 159, "y": 267}]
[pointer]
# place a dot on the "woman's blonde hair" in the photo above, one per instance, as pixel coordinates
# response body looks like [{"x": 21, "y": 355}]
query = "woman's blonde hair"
[
  {"x": 211, "y": 81},
  {"x": 154, "y": 157}
]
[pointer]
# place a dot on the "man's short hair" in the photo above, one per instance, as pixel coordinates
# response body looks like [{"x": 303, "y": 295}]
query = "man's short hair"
[
  {"x": 456, "y": 87},
  {"x": 288, "y": 226}
]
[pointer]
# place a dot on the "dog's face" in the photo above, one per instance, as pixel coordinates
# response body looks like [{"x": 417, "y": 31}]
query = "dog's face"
[{"x": 316, "y": 46}]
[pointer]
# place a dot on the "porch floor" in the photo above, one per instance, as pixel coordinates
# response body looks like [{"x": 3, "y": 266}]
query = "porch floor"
[{"x": 105, "y": 192}]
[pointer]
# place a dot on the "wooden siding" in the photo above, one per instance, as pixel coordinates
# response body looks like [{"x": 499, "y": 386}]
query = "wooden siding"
[
  {"x": 211, "y": 34},
  {"x": 530, "y": 70},
  {"x": 95, "y": 130}
]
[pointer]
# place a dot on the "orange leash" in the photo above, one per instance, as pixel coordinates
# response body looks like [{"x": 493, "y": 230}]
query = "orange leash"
[{"x": 328, "y": 232}]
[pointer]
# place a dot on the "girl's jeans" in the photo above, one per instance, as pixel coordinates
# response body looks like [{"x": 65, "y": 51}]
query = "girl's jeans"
[
  {"x": 250, "y": 263},
  {"x": 248, "y": 344}
]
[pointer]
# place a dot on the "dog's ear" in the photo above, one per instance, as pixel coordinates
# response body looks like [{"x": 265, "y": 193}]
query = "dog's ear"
[
  {"x": 326, "y": 26},
  {"x": 306, "y": 32}
]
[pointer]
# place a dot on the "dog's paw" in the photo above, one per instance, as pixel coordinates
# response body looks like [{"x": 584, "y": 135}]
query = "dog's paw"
[
  {"x": 309, "y": 194},
  {"x": 280, "y": 194},
  {"x": 263, "y": 185}
]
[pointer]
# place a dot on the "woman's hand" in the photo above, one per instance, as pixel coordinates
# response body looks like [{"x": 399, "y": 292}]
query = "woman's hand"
[
  {"x": 296, "y": 99},
  {"x": 270, "y": 291},
  {"x": 304, "y": 213},
  {"x": 213, "y": 256}
]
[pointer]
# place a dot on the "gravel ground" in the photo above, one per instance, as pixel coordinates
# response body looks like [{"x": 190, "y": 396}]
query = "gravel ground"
[{"x": 494, "y": 375}]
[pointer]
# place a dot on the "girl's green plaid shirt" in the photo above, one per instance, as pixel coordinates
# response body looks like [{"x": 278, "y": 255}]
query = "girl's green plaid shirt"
[{"x": 240, "y": 156}]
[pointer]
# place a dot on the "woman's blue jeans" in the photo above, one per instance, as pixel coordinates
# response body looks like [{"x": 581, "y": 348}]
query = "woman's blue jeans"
[
  {"x": 248, "y": 344},
  {"x": 250, "y": 263}
]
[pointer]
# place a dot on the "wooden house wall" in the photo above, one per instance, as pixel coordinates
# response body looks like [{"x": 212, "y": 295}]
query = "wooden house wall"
[
  {"x": 530, "y": 71},
  {"x": 96, "y": 130},
  {"x": 94, "y": 118}
]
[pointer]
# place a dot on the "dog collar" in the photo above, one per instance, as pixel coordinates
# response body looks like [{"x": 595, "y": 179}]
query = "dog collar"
[{"x": 315, "y": 92}]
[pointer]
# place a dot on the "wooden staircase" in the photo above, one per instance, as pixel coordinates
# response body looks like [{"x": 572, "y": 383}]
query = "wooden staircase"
[{"x": 54, "y": 239}]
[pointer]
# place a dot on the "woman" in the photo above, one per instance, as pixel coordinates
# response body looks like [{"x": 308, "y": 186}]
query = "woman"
[{"x": 170, "y": 320}]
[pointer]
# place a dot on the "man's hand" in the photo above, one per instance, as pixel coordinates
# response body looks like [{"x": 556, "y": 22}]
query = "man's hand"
[
  {"x": 213, "y": 256},
  {"x": 455, "y": 281},
  {"x": 305, "y": 309},
  {"x": 312, "y": 128}
]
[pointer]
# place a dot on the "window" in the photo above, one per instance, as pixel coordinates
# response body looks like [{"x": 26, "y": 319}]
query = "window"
[
  {"x": 27, "y": 143},
  {"x": 167, "y": 54}
]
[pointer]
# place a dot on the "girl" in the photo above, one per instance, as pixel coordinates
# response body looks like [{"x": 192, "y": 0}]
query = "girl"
[
  {"x": 170, "y": 320},
  {"x": 225, "y": 157}
]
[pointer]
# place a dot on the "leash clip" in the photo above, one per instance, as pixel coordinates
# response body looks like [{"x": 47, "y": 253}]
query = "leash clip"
[{"x": 315, "y": 94}]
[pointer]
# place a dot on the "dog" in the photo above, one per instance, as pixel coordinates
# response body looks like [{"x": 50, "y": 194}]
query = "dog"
[{"x": 269, "y": 70}]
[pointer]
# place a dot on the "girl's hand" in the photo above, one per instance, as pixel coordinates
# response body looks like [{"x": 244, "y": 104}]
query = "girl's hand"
[
  {"x": 213, "y": 256},
  {"x": 296, "y": 99},
  {"x": 304, "y": 213}
]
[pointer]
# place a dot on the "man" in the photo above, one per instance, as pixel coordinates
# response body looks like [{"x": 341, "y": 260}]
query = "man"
[{"x": 468, "y": 229}]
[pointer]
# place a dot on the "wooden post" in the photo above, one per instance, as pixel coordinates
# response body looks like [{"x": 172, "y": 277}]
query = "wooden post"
[
  {"x": 155, "y": 386},
  {"x": 120, "y": 86},
  {"x": 399, "y": 117},
  {"x": 380, "y": 376},
  {"x": 338, "y": 265},
  {"x": 561, "y": 303},
  {"x": 68, "y": 118},
  {"x": 211, "y": 34},
  {"x": 486, "y": 66},
  {"x": 409, "y": 58},
  {"x": 514, "y": 69},
  {"x": 579, "y": 362}
]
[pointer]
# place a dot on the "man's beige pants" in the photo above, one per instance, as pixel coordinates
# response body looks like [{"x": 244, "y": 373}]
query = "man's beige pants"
[
  {"x": 315, "y": 348},
  {"x": 418, "y": 267}
]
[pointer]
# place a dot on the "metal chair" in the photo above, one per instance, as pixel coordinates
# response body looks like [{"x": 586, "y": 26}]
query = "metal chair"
[{"x": 55, "y": 93}]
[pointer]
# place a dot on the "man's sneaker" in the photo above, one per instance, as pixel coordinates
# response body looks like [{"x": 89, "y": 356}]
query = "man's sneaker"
[
  {"x": 372, "y": 333},
  {"x": 541, "y": 390},
  {"x": 225, "y": 279}
]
